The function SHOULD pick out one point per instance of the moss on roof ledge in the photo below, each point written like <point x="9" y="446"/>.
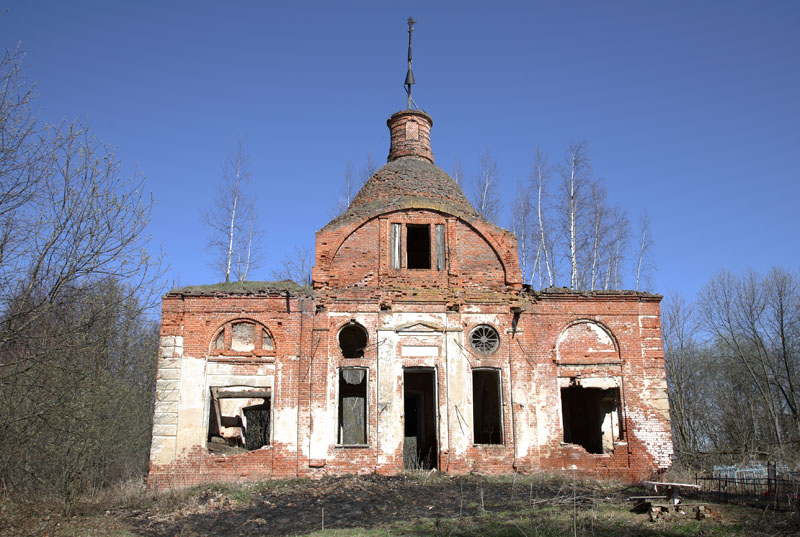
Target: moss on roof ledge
<point x="565" y="291"/>
<point x="243" y="288"/>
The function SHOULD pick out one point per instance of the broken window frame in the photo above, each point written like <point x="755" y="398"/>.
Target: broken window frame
<point x="441" y="246"/>
<point x="416" y="256"/>
<point x="597" y="446"/>
<point x="355" y="352"/>
<point x="498" y="373"/>
<point x="340" y="404"/>
<point x="395" y="241"/>
<point x="225" y="335"/>
<point x="238" y="392"/>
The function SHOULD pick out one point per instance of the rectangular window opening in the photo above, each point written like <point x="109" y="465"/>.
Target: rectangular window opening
<point x="591" y="418"/>
<point x="487" y="414"/>
<point x="352" y="406"/>
<point x="418" y="246"/>
<point x="239" y="419"/>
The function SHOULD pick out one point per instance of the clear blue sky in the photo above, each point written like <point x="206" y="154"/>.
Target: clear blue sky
<point x="690" y="109"/>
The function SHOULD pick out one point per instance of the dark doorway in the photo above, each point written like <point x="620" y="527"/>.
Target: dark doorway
<point x="420" y="448"/>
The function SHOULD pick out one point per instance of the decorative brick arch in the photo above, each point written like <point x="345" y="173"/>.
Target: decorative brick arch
<point x="225" y="330"/>
<point x="586" y="341"/>
<point x="479" y="227"/>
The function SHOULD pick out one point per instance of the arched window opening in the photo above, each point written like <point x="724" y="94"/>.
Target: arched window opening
<point x="353" y="340"/>
<point x="243" y="337"/>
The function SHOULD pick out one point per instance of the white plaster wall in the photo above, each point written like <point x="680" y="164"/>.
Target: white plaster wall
<point x="191" y="418"/>
<point x="390" y="406"/>
<point x="284" y="430"/>
<point x="459" y="395"/>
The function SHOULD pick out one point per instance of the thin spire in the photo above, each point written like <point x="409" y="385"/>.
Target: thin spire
<point x="410" y="73"/>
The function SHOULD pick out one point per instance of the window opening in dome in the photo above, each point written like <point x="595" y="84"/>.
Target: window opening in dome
<point x="418" y="246"/>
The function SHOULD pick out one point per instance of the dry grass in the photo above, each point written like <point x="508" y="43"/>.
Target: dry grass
<point x="416" y="504"/>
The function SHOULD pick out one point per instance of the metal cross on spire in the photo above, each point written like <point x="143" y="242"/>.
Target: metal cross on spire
<point x="410" y="73"/>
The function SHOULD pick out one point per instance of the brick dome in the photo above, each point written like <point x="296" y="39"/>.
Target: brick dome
<point x="409" y="182"/>
<point x="410" y="178"/>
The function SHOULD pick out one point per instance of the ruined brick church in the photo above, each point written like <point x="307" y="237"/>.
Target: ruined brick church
<point x="417" y="347"/>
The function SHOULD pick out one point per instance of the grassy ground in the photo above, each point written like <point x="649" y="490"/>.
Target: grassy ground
<point x="410" y="505"/>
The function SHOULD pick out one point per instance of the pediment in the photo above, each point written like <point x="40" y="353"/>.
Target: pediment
<point x="420" y="327"/>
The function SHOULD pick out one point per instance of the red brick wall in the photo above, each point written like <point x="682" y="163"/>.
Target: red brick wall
<point x="527" y="359"/>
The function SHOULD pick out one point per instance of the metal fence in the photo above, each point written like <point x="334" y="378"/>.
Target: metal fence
<point x="780" y="493"/>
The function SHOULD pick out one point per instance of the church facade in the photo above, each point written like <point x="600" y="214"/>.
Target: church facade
<point x="417" y="347"/>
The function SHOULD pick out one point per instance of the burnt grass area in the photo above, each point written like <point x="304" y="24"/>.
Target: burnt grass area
<point x="413" y="504"/>
<point x="296" y="507"/>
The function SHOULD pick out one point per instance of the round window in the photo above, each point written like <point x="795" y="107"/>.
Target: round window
<point x="484" y="339"/>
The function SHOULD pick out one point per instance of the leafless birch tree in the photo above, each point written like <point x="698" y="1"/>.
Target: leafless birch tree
<point x="484" y="189"/>
<point x="367" y="170"/>
<point x="232" y="222"/>
<point x="521" y="213"/>
<point x="545" y="268"/>
<point x="352" y="183"/>
<point x="349" y="188"/>
<point x="619" y="235"/>
<point x="575" y="179"/>
<point x="458" y="173"/>
<point x="644" y="261"/>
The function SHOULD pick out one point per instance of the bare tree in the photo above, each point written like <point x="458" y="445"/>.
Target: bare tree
<point x="619" y="234"/>
<point x="688" y="374"/>
<point x="367" y="170"/>
<point x="248" y="253"/>
<point x="575" y="178"/>
<point x="296" y="267"/>
<point x="599" y="234"/>
<point x="544" y="239"/>
<point x="232" y="222"/>
<point x="458" y="173"/>
<point x="349" y="188"/>
<point x="76" y="282"/>
<point x="752" y="326"/>
<point x="484" y="189"/>
<point x="644" y="264"/>
<point x="352" y="183"/>
<point x="521" y="213"/>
